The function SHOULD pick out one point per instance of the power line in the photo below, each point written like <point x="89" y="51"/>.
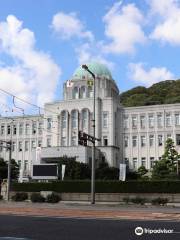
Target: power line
<point x="31" y="104"/>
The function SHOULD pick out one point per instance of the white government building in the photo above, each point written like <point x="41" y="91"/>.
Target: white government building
<point x="134" y="135"/>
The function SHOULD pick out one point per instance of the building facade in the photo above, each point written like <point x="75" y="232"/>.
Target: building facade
<point x="134" y="135"/>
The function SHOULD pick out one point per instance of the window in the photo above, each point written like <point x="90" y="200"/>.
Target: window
<point x="40" y="127"/>
<point x="1" y="146"/>
<point x="105" y="141"/>
<point x="13" y="146"/>
<point x="105" y="119"/>
<point x="83" y="92"/>
<point x="126" y="141"/>
<point x="73" y="141"/>
<point x="142" y="121"/>
<point x="8" y="129"/>
<point x="126" y="161"/>
<point x="134" y="141"/>
<point x="169" y="135"/>
<point x="90" y="91"/>
<point x="168" y="120"/>
<point x="48" y="141"/>
<point x="151" y="121"/>
<point x="33" y="144"/>
<point x="34" y="128"/>
<point x="14" y="129"/>
<point x="143" y="141"/>
<point x="143" y="162"/>
<point x="151" y="140"/>
<point x="25" y="165"/>
<point x="160" y="140"/>
<point x="74" y="118"/>
<point x="49" y="123"/>
<point x="63" y="120"/>
<point x="177" y="139"/>
<point x="2" y="129"/>
<point x="39" y="143"/>
<point x="19" y="163"/>
<point x="159" y="120"/>
<point x="177" y="119"/>
<point x="134" y="122"/>
<point x="63" y="141"/>
<point x="26" y="145"/>
<point x="84" y="119"/>
<point x="126" y="122"/>
<point x="151" y="162"/>
<point x="135" y="163"/>
<point x="20" y="128"/>
<point x="20" y="146"/>
<point x="75" y="93"/>
<point x="27" y="129"/>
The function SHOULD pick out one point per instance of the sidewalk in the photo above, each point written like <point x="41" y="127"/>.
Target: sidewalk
<point x="86" y="210"/>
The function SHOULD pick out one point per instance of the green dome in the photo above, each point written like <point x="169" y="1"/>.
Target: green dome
<point x="99" y="69"/>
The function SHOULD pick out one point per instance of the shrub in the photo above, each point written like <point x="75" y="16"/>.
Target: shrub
<point x="159" y="201"/>
<point x="100" y="186"/>
<point x="1" y="197"/>
<point x="126" y="200"/>
<point x="53" y="198"/>
<point x="37" y="197"/>
<point x="20" y="196"/>
<point x="138" y="200"/>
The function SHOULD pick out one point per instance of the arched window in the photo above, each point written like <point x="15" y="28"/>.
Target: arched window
<point x="83" y="92"/>
<point x="75" y="93"/>
<point x="63" y="119"/>
<point x="90" y="92"/>
<point x="84" y="118"/>
<point x="74" y="118"/>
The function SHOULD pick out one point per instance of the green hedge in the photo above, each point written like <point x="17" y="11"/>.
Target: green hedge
<point x="101" y="187"/>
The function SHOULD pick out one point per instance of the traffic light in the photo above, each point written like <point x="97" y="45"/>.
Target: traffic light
<point x="82" y="138"/>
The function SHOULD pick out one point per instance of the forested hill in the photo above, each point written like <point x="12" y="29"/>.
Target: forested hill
<point x="165" y="92"/>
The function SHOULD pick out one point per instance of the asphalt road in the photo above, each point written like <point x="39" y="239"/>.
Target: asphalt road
<point x="45" y="228"/>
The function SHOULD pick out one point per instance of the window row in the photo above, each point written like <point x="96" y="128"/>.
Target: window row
<point x="152" y="120"/>
<point x="82" y="92"/>
<point x="144" y="141"/>
<point x="25" y="145"/>
<point x="21" y="129"/>
<point x="85" y="116"/>
<point x="136" y="163"/>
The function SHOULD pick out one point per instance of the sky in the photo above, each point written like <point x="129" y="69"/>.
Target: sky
<point x="42" y="42"/>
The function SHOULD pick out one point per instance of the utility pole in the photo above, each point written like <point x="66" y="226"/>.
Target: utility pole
<point x="9" y="169"/>
<point x="85" y="67"/>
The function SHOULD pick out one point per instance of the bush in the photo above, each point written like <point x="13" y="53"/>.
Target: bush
<point x="1" y="197"/>
<point x="159" y="201"/>
<point x="100" y="186"/>
<point x="20" y="196"/>
<point x="138" y="200"/>
<point x="37" y="197"/>
<point x="126" y="200"/>
<point x="53" y="198"/>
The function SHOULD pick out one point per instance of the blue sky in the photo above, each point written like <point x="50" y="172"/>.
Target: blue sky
<point x="42" y="42"/>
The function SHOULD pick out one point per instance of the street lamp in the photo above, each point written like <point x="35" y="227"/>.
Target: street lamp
<point x="85" y="67"/>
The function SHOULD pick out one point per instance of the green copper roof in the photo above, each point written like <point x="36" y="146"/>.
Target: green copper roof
<point x="98" y="69"/>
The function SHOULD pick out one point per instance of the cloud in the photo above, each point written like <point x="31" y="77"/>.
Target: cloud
<point x="34" y="75"/>
<point x="167" y="31"/>
<point x="88" y="52"/>
<point x="139" y="74"/>
<point x="68" y="26"/>
<point x="123" y="26"/>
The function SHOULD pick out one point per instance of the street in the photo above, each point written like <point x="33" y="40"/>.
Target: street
<point x="54" y="228"/>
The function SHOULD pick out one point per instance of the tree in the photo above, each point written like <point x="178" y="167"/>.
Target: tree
<point x="4" y="169"/>
<point x="142" y="171"/>
<point x="166" y="167"/>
